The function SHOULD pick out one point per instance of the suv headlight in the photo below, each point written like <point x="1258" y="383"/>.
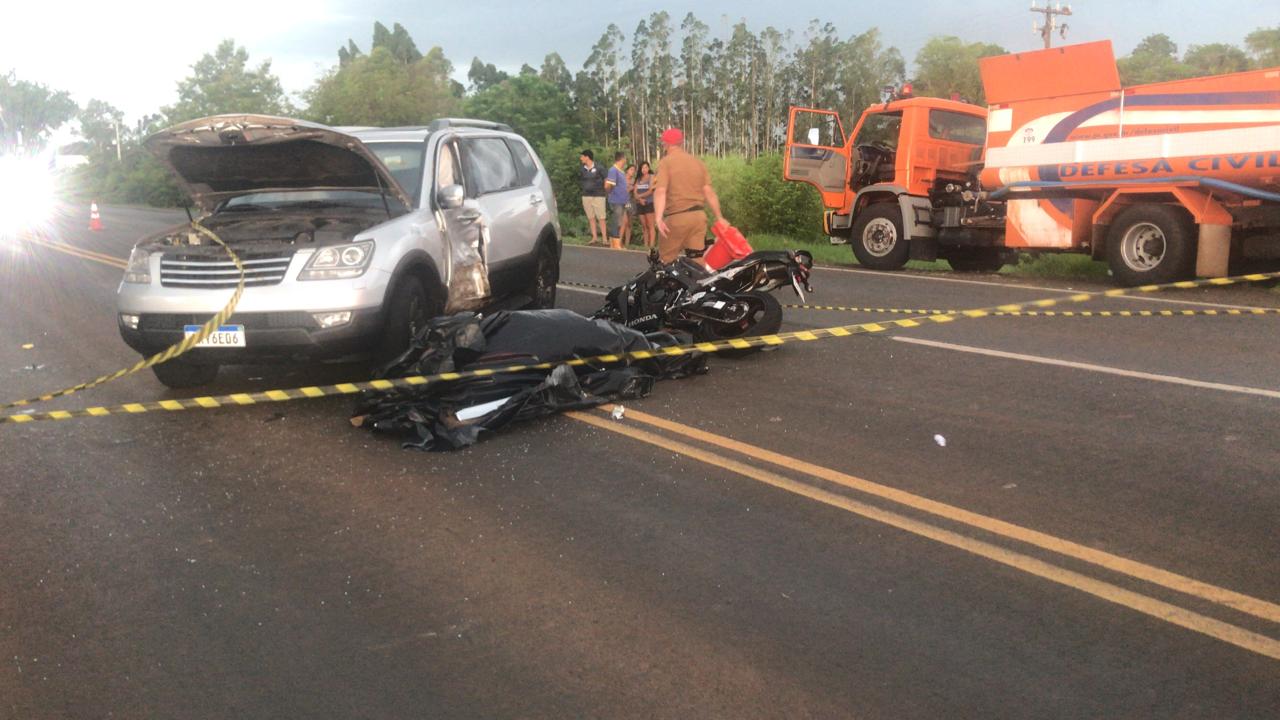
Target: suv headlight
<point x="338" y="262"/>
<point x="139" y="268"/>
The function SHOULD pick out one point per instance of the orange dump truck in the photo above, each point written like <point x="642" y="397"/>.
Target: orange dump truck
<point x="1163" y="180"/>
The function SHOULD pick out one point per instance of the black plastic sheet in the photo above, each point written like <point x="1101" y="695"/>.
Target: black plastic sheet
<point x="455" y="414"/>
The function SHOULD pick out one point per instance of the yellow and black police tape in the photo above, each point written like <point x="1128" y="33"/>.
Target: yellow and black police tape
<point x="760" y="341"/>
<point x="168" y="353"/>
<point x="1016" y="313"/>
<point x="1225" y="312"/>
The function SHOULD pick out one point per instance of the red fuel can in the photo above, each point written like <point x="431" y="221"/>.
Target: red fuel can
<point x="730" y="245"/>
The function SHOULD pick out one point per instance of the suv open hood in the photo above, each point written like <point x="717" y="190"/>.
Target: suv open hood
<point x="220" y="157"/>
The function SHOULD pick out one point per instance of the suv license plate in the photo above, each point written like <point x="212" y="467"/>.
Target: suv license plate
<point x="224" y="336"/>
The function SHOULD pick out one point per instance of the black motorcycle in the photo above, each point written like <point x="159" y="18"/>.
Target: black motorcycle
<point x="710" y="305"/>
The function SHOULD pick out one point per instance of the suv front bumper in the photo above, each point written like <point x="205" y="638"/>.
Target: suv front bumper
<point x="268" y="336"/>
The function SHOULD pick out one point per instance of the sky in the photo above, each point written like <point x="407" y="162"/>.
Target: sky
<point x="132" y="53"/>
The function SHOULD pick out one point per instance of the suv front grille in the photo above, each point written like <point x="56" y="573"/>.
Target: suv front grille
<point x="208" y="272"/>
<point x="251" y="321"/>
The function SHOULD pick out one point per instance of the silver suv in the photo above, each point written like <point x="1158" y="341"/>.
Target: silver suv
<point x="351" y="238"/>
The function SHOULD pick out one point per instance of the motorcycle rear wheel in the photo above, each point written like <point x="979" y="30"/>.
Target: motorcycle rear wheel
<point x="763" y="318"/>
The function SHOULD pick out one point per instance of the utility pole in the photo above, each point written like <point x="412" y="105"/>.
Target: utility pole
<point x="1046" y="30"/>
<point x="119" y="156"/>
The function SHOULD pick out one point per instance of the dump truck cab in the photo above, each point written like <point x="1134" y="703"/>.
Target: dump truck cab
<point x="1164" y="181"/>
<point x="896" y="157"/>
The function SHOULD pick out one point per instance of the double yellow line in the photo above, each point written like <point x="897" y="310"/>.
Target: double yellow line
<point x="81" y="253"/>
<point x="754" y="467"/>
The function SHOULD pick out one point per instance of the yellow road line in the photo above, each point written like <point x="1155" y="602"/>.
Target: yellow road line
<point x="1152" y="607"/>
<point x="78" y="251"/>
<point x="1149" y="573"/>
<point x="81" y="253"/>
<point x="58" y="245"/>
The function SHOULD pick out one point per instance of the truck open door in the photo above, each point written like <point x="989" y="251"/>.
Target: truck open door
<point x="818" y="154"/>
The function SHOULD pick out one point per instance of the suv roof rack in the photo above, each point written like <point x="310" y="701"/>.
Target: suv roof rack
<point x="442" y="123"/>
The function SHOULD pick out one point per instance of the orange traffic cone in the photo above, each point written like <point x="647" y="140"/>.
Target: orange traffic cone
<point x="95" y="220"/>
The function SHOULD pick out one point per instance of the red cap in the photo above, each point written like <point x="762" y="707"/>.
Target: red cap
<point x="672" y="136"/>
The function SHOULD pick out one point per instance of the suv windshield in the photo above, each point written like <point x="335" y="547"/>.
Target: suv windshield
<point x="307" y="198"/>
<point x="404" y="160"/>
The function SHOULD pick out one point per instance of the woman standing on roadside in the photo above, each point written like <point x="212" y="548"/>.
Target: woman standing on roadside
<point x="629" y="216"/>
<point x="643" y="194"/>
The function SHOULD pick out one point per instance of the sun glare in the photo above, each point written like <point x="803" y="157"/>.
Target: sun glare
<point x="26" y="194"/>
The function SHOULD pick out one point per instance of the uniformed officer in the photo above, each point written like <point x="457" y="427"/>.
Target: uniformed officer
<point x="683" y="190"/>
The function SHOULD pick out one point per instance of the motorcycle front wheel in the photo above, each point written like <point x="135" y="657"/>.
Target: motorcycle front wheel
<point x="763" y="317"/>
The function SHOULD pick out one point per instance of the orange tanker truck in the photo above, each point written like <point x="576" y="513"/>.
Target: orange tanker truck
<point x="1163" y="181"/>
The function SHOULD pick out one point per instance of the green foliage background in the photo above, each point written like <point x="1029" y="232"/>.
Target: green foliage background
<point x="730" y="93"/>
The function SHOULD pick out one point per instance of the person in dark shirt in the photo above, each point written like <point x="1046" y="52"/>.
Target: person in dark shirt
<point x="593" y="194"/>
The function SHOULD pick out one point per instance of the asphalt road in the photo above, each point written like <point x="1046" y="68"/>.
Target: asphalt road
<point x="787" y="536"/>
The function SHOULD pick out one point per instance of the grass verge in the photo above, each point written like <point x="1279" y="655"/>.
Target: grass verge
<point x="1060" y="266"/>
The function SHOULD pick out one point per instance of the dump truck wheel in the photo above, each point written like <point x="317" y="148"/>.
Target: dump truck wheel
<point x="877" y="238"/>
<point x="1151" y="244"/>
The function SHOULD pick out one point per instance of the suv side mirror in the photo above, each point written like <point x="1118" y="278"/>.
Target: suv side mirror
<point x="451" y="197"/>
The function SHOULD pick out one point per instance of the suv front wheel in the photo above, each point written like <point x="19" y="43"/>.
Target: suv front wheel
<point x="546" y="273"/>
<point x="409" y="308"/>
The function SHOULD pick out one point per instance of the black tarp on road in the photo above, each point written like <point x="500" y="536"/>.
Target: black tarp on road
<point x="447" y="415"/>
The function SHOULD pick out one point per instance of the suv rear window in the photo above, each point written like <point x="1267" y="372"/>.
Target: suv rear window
<point x="525" y="166"/>
<point x="957" y="127"/>
<point x="488" y="166"/>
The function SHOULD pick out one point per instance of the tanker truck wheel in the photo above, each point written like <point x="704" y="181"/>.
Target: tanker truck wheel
<point x="877" y="238"/>
<point x="1151" y="244"/>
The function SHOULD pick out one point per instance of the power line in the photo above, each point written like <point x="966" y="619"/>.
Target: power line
<point x="1050" y="22"/>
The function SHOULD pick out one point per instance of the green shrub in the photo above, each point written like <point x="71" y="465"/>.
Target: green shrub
<point x="1057" y="265"/>
<point x="574" y="224"/>
<point x="139" y="179"/>
<point x="756" y="199"/>
<point x="560" y="158"/>
<point x="767" y="203"/>
<point x="726" y="175"/>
